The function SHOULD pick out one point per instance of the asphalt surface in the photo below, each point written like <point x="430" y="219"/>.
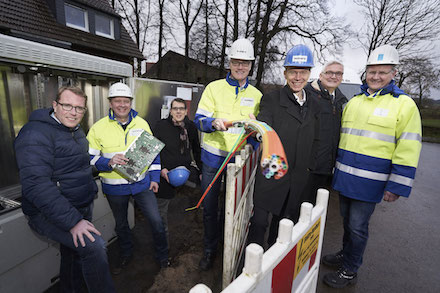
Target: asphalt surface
<point x="403" y="252"/>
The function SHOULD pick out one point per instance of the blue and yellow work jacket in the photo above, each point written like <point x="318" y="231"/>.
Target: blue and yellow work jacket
<point x="379" y="146"/>
<point x="106" y="139"/>
<point x="225" y="99"/>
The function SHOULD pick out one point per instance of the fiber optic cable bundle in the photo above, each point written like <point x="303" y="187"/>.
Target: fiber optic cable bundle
<point x="273" y="158"/>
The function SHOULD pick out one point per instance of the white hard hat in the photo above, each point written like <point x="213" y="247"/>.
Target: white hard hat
<point x="242" y="49"/>
<point x="119" y="90"/>
<point x="384" y="55"/>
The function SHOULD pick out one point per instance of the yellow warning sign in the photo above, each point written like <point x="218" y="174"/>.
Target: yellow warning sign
<point x="307" y="246"/>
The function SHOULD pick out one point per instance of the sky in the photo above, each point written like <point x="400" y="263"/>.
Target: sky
<point x="354" y="57"/>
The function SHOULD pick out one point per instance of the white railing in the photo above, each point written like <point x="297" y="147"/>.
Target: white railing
<point x="238" y="209"/>
<point x="292" y="263"/>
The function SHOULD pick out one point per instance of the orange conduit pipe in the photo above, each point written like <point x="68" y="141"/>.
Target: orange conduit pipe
<point x="273" y="158"/>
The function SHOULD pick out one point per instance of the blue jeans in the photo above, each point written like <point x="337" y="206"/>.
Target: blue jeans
<point x="89" y="262"/>
<point x="356" y="216"/>
<point x="210" y="209"/>
<point x="146" y="201"/>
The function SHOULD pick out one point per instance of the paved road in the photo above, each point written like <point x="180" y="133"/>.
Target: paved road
<point x="403" y="252"/>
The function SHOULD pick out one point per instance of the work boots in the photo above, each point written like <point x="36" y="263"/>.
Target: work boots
<point x="333" y="260"/>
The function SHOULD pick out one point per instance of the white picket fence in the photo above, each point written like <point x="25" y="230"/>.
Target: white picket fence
<point x="292" y="263"/>
<point x="238" y="209"/>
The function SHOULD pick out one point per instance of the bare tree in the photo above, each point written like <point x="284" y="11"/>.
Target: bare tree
<point x="189" y="10"/>
<point x="285" y="23"/>
<point x="409" y="25"/>
<point x="136" y="15"/>
<point x="417" y="77"/>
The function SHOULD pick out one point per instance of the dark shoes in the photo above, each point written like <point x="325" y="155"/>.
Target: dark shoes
<point x="340" y="279"/>
<point x="207" y="261"/>
<point x="164" y="264"/>
<point x="123" y="262"/>
<point x="333" y="260"/>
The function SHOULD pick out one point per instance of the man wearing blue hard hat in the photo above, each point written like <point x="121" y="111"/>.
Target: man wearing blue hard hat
<point x="292" y="112"/>
<point x="181" y="144"/>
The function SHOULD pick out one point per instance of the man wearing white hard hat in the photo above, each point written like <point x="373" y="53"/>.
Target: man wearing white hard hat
<point x="232" y="98"/>
<point x="377" y="158"/>
<point x="108" y="139"/>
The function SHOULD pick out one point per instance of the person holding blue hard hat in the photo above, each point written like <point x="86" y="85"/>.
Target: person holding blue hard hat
<point x="182" y="147"/>
<point x="293" y="112"/>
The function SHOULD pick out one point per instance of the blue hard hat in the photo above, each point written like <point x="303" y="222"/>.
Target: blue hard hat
<point x="299" y="56"/>
<point x="178" y="176"/>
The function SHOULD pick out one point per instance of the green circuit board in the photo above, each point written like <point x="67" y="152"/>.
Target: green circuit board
<point x="141" y="154"/>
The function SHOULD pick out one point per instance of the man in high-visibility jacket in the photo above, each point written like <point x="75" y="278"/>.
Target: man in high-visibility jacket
<point x="377" y="158"/>
<point x="223" y="100"/>
<point x="108" y="139"/>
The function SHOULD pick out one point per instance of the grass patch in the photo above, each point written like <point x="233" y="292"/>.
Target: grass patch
<point x="431" y="123"/>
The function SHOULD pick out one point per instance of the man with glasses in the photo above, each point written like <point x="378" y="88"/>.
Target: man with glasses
<point x="330" y="100"/>
<point x="377" y="158"/>
<point x="181" y="139"/>
<point x="109" y="138"/>
<point x="223" y="100"/>
<point x="293" y="113"/>
<point x="58" y="190"/>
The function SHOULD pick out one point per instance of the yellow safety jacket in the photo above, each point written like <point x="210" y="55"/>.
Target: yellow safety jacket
<point x="106" y="139"/>
<point x="223" y="99"/>
<point x="379" y="146"/>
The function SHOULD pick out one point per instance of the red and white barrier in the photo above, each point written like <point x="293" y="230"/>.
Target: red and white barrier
<point x="292" y="263"/>
<point x="238" y="209"/>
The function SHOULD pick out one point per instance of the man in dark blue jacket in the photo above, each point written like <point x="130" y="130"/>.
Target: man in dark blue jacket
<point x="58" y="190"/>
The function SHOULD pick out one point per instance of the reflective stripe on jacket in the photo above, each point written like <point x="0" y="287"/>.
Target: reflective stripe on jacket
<point x="106" y="139"/>
<point x="379" y="147"/>
<point x="223" y="99"/>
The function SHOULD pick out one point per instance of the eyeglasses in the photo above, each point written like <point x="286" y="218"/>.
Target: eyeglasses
<point x="178" y="109"/>
<point x="333" y="73"/>
<point x="237" y="63"/>
<point x="68" y="107"/>
<point x="380" y="73"/>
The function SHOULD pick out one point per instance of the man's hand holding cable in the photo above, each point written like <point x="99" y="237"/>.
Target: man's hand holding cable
<point x="219" y="124"/>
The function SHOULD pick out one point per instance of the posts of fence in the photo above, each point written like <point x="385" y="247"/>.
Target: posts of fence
<point x="292" y="263"/>
<point x="240" y="180"/>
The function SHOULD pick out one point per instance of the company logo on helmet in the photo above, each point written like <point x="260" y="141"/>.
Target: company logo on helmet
<point x="380" y="57"/>
<point x="299" y="59"/>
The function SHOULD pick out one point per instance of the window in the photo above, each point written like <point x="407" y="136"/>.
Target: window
<point x="76" y="17"/>
<point x="104" y="26"/>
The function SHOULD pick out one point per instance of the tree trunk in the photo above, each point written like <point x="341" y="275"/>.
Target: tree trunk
<point x="235" y="19"/>
<point x="225" y="37"/>
<point x="159" y="51"/>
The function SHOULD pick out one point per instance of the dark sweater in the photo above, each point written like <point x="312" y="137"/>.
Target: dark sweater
<point x="171" y="156"/>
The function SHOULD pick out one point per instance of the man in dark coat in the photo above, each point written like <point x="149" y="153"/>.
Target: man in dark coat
<point x="58" y="190"/>
<point x="181" y="144"/>
<point x="330" y="100"/>
<point x="293" y="113"/>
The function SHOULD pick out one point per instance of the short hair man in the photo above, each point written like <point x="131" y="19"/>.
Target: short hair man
<point x="58" y="190"/>
<point x="109" y="138"/>
<point x="292" y="112"/>
<point x="232" y="98"/>
<point x="330" y="100"/>
<point x="377" y="158"/>
<point x="181" y="139"/>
